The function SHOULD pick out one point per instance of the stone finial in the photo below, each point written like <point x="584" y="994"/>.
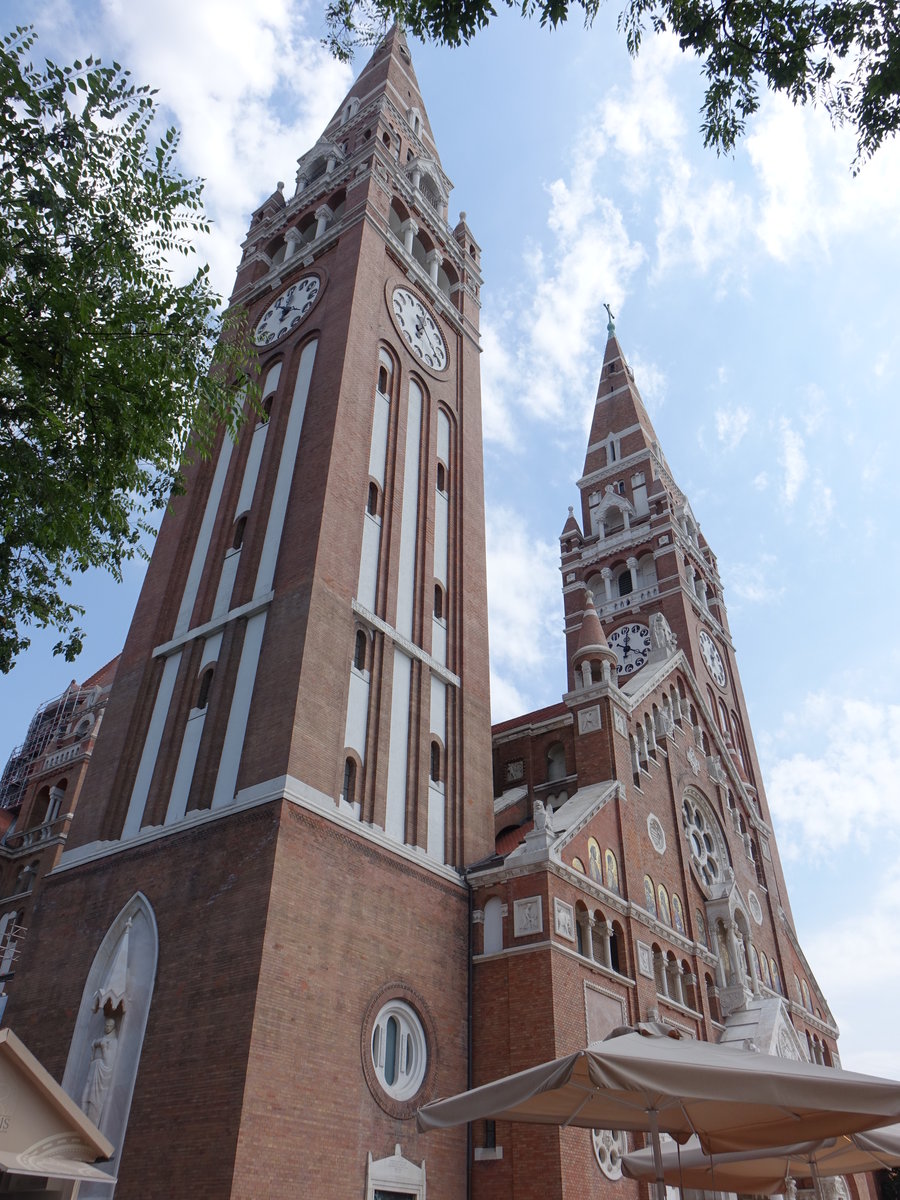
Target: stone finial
<point x="279" y="186"/>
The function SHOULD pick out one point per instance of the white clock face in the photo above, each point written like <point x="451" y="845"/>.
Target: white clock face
<point x="288" y="310"/>
<point x="712" y="658"/>
<point x="420" y="329"/>
<point x="632" y="646"/>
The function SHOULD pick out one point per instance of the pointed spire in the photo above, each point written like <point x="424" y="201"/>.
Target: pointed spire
<point x="618" y="406"/>
<point x="592" y="641"/>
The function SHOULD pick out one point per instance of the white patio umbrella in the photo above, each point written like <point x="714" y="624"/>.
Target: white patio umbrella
<point x="732" y="1099"/>
<point x="764" y="1172"/>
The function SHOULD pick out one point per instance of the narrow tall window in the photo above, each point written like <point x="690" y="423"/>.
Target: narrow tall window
<point x="238" y="539"/>
<point x="438" y="601"/>
<point x="359" y="651"/>
<point x="348" y="792"/>
<point x="441" y="477"/>
<point x="435" y="762"/>
<point x="205" y="684"/>
<point x="372" y="500"/>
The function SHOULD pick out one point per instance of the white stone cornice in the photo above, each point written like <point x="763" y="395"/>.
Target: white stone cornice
<point x="405" y="644"/>
<point x="257" y="604"/>
<point x="285" y="787"/>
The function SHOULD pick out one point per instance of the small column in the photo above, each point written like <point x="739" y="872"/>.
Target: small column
<point x="323" y="216"/>
<point x="677" y="989"/>
<point x="690" y="985"/>
<point x="56" y="799"/>
<point x="433" y="260"/>
<point x="301" y="182"/>
<point x="331" y="164"/>
<point x="661" y="974"/>
<point x="586" y="924"/>
<point x="607" y="582"/>
<point x="408" y="230"/>
<point x="701" y="591"/>
<point x="604" y="930"/>
<point x="631" y="563"/>
<point x="292" y="240"/>
<point x="416" y="176"/>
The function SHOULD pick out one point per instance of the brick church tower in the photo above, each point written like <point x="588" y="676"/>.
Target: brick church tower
<point x="260" y="904"/>
<point x="636" y="875"/>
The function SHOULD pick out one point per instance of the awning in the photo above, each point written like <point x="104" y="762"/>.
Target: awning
<point x="43" y="1132"/>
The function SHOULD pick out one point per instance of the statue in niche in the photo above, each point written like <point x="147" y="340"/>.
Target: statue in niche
<point x="100" y="1071"/>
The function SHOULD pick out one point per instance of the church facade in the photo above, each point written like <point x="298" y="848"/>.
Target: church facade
<point x="304" y="890"/>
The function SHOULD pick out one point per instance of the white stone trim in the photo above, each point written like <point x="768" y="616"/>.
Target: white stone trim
<point x="283" y="787"/>
<point x="405" y="644"/>
<point x="244" y="610"/>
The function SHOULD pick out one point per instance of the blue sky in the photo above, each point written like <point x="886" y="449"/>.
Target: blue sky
<point x="756" y="299"/>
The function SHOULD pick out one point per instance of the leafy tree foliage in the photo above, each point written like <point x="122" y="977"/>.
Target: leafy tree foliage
<point x="106" y="364"/>
<point x="842" y="54"/>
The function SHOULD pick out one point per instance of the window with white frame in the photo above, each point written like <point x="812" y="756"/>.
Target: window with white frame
<point x="399" y="1051"/>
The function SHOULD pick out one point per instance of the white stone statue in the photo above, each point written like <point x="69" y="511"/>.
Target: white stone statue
<point x="543" y="817"/>
<point x="661" y="634"/>
<point x="100" y="1071"/>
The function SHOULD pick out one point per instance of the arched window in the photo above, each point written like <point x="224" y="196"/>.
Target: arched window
<point x="385" y="375"/>
<point x="205" y="684"/>
<point x="612" y="870"/>
<point x="372" y="499"/>
<point x="776" y="977"/>
<point x="649" y="896"/>
<point x="237" y="539"/>
<point x="616" y="949"/>
<point x="441" y="477"/>
<point x="438" y="601"/>
<point x="267" y="403"/>
<point x="556" y="762"/>
<point x="613" y="522"/>
<point x="348" y="790"/>
<point x="359" y="650"/>
<point x="435" y="767"/>
<point x="665" y="914"/>
<point x="764" y="972"/>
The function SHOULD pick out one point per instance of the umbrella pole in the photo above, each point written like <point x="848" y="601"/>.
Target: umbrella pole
<point x="817" y="1183"/>
<point x="653" y="1114"/>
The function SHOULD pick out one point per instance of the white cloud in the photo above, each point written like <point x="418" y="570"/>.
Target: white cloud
<point x="761" y="481"/>
<point x="249" y="85"/>
<point x="497" y="389"/>
<point x="652" y="382"/>
<point x="808" y="194"/>
<point x="731" y="425"/>
<point x="816" y="409"/>
<point x="845" y="789"/>
<point x="821" y="505"/>
<point x="792" y="460"/>
<point x="863" y="999"/>
<point x="524" y="612"/>
<point x="542" y="355"/>
<point x="752" y="582"/>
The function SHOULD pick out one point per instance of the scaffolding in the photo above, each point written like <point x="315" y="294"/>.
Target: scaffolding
<point x="47" y="724"/>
